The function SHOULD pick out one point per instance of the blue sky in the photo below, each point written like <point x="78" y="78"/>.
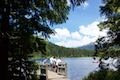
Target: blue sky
<point x="81" y="27"/>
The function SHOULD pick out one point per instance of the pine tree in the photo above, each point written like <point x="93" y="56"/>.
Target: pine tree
<point x="20" y="20"/>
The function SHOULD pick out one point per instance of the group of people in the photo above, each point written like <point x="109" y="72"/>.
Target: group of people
<point x="54" y="62"/>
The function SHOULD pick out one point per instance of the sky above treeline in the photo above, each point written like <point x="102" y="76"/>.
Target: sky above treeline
<point x="81" y="27"/>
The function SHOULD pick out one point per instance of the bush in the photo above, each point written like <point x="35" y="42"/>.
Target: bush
<point x="103" y="75"/>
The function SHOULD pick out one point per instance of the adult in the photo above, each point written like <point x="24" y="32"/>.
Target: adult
<point x="58" y="61"/>
<point x="52" y="63"/>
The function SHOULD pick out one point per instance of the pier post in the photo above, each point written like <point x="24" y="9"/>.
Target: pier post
<point x="44" y="72"/>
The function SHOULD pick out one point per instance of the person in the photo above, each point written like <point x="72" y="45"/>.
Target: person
<point x="58" y="61"/>
<point x="45" y="61"/>
<point x="52" y="62"/>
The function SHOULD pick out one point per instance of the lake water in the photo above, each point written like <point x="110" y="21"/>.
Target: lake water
<point x="78" y="68"/>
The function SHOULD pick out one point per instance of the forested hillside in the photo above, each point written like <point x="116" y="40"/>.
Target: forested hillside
<point x="60" y="51"/>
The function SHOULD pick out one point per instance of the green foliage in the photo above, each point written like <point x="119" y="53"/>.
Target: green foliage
<point x="20" y="48"/>
<point x="108" y="46"/>
<point x="59" y="51"/>
<point x="110" y="43"/>
<point x="103" y="75"/>
<point x="19" y="21"/>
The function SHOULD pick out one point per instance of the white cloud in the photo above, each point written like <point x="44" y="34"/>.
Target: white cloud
<point x="61" y="34"/>
<point x="85" y="4"/>
<point x="64" y="32"/>
<point x="76" y="35"/>
<point x="92" y="30"/>
<point x="68" y="2"/>
<point x="83" y="36"/>
<point x="76" y="43"/>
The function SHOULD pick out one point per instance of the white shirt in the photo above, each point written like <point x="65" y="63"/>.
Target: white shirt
<point x="52" y="60"/>
<point x="58" y="61"/>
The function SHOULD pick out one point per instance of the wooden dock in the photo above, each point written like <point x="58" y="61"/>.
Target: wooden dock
<point x="45" y="72"/>
<point x="54" y="76"/>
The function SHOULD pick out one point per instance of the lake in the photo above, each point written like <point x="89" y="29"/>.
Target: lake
<point x="78" y="68"/>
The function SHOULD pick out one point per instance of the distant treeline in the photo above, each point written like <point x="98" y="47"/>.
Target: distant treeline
<point x="60" y="51"/>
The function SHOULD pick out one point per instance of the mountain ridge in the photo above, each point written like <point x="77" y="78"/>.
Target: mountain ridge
<point x="89" y="46"/>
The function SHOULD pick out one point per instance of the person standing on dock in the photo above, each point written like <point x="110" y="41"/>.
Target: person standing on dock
<point x="57" y="63"/>
<point x="52" y="62"/>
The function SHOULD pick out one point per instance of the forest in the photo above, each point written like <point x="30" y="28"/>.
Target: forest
<point x="60" y="51"/>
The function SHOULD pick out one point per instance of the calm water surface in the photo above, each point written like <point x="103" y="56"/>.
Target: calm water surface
<point x="78" y="68"/>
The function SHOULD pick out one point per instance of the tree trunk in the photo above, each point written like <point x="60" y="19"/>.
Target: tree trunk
<point x="4" y="40"/>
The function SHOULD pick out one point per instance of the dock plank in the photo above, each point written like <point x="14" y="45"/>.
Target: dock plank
<point x="54" y="76"/>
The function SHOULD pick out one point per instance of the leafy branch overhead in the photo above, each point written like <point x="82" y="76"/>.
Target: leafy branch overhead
<point x="20" y="20"/>
<point x="111" y="42"/>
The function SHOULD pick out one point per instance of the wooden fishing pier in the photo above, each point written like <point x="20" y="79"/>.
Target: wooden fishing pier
<point x="46" y="72"/>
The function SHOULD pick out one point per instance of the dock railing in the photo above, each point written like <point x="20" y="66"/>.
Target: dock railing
<point x="61" y="69"/>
